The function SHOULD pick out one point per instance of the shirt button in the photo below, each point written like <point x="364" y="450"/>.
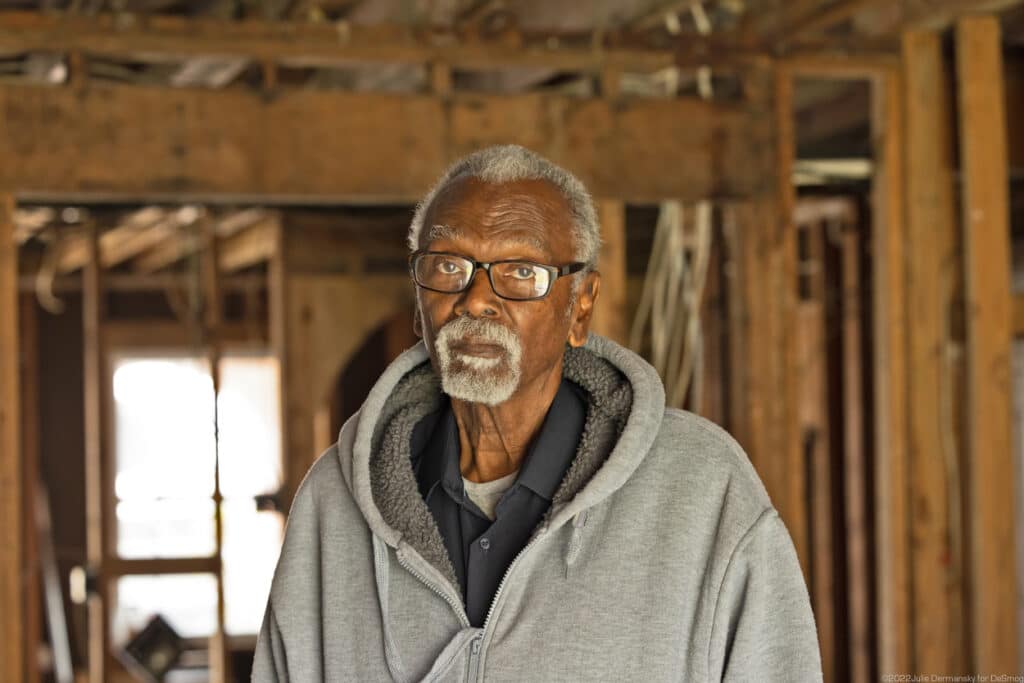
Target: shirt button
<point x="485" y="543"/>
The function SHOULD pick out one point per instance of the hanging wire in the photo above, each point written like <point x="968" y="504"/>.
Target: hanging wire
<point x="668" y="317"/>
<point x="47" y="273"/>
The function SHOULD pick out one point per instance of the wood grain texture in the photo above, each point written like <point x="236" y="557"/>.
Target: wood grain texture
<point x="931" y="227"/>
<point x="12" y="662"/>
<point x="611" y="318"/>
<point x="329" y="145"/>
<point x="986" y="234"/>
<point x="888" y="252"/>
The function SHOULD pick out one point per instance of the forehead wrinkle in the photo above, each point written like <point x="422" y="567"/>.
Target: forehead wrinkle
<point x="443" y="232"/>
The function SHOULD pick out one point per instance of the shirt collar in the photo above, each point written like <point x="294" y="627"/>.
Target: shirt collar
<point x="436" y="440"/>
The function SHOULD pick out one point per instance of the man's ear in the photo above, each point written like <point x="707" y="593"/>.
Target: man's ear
<point x="589" y="289"/>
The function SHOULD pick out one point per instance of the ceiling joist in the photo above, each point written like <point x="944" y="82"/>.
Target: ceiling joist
<point x="173" y="38"/>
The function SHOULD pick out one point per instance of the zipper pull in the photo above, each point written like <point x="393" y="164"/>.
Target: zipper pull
<point x="476" y="644"/>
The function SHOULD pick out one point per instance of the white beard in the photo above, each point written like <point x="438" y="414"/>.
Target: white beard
<point x="489" y="381"/>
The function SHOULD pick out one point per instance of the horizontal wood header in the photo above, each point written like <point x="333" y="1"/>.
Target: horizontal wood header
<point x="330" y="146"/>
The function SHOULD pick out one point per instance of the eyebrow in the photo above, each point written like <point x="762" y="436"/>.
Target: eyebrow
<point x="443" y="232"/>
<point x="447" y="232"/>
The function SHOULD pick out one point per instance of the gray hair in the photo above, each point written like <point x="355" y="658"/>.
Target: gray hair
<point x="509" y="163"/>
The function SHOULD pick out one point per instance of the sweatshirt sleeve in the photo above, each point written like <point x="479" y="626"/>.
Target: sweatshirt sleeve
<point x="763" y="628"/>
<point x="269" y="663"/>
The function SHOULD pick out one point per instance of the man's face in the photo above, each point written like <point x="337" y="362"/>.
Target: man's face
<point x="484" y="347"/>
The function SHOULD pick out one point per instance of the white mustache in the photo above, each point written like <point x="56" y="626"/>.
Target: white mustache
<point x="466" y="329"/>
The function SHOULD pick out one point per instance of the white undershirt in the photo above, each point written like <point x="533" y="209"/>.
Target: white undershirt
<point x="487" y="494"/>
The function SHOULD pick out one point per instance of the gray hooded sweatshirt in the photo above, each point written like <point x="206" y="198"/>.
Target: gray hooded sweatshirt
<point x="660" y="559"/>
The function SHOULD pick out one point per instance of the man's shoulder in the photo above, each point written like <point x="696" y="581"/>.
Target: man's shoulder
<point x="706" y="458"/>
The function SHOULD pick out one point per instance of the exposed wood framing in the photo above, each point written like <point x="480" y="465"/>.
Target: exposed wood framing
<point x="177" y="244"/>
<point x="931" y="280"/>
<point x="610" y="316"/>
<point x="12" y="663"/>
<point x="855" y="489"/>
<point x="986" y="234"/>
<point x="220" y="665"/>
<point x="789" y="480"/>
<point x="175" y="38"/>
<point x="187" y="143"/>
<point x="889" y="378"/>
<point x="764" y="238"/>
<point x="251" y="246"/>
<point x="135" y="234"/>
<point x="96" y="474"/>
<point x="30" y="476"/>
<point x="328" y="318"/>
<point x="811" y="394"/>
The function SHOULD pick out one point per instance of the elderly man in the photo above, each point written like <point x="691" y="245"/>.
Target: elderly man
<point x="514" y="502"/>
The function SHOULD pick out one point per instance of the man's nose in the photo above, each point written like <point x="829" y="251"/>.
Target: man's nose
<point x="479" y="299"/>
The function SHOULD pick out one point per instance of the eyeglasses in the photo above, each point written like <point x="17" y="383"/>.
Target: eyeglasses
<point x="515" y="280"/>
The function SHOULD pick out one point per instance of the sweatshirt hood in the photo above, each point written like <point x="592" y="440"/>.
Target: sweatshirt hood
<point x="625" y="406"/>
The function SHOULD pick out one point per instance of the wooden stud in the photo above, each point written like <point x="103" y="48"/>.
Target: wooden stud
<point x="812" y="405"/>
<point x="986" y="236"/>
<point x="858" y="569"/>
<point x="441" y="79"/>
<point x="12" y="663"/>
<point x="96" y="475"/>
<point x="788" y="472"/>
<point x="892" y="506"/>
<point x="29" y="343"/>
<point x="930" y="225"/>
<point x="220" y="663"/>
<point x="610" y="316"/>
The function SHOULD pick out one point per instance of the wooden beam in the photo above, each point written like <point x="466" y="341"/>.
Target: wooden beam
<point x="790" y="481"/>
<point x="811" y="395"/>
<point x="30" y="477"/>
<point x="825" y="18"/>
<point x="930" y="284"/>
<point x="177" y="38"/>
<point x="117" y="566"/>
<point x="855" y="465"/>
<point x="990" y="463"/>
<point x="250" y="246"/>
<point x="889" y="378"/>
<point x="611" y="317"/>
<point x="185" y="143"/>
<point x="135" y="234"/>
<point x="178" y="244"/>
<point x="12" y="652"/>
<point x="96" y="474"/>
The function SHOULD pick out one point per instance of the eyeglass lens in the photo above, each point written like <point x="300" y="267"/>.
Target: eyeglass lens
<point x="511" y="279"/>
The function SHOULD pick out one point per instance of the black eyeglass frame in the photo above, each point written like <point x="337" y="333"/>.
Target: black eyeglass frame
<point x="555" y="271"/>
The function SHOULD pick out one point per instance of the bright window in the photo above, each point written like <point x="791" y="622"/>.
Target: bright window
<point x="164" y="454"/>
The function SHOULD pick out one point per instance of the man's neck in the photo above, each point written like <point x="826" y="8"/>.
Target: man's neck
<point x="493" y="440"/>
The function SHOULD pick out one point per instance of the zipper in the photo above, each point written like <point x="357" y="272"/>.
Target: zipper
<point x="477" y="642"/>
<point x="504" y="579"/>
<point x="457" y="607"/>
<point x="474" y="658"/>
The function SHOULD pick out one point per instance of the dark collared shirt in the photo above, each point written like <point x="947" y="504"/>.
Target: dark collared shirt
<point x="482" y="550"/>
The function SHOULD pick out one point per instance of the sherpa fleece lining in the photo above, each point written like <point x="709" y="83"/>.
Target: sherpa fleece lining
<point x="609" y="400"/>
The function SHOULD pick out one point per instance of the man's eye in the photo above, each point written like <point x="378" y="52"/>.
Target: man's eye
<point x="448" y="267"/>
<point x="523" y="273"/>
